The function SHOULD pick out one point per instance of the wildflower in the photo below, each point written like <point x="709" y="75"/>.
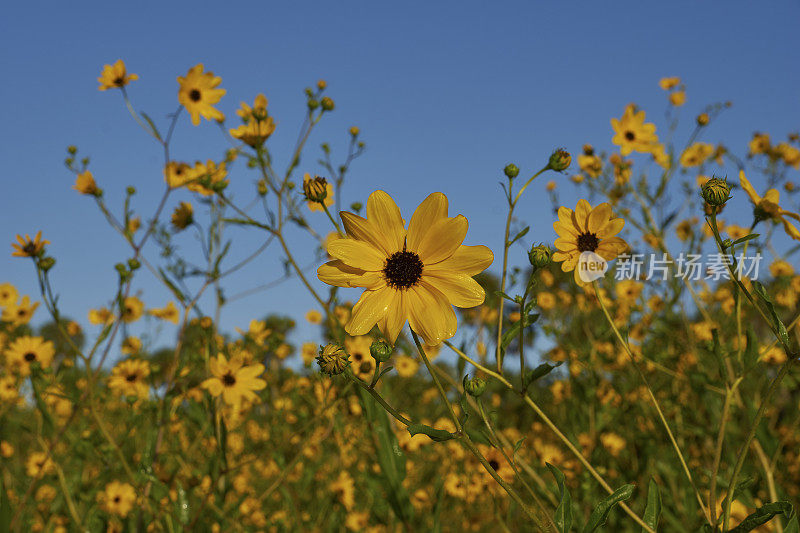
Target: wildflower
<point x="257" y="112"/>
<point x="702" y="119"/>
<point x="133" y="225"/>
<point x="207" y="178"/>
<point x="115" y="76"/>
<point x="128" y="378"/>
<point x="669" y="83"/>
<point x="20" y="312"/>
<point x="28" y="247"/>
<point x="8" y="294"/>
<point x="540" y="256"/>
<point x="39" y="464"/>
<point x="632" y="133"/>
<point x="100" y="316"/>
<point x="406" y="366"/>
<point x="118" y="498"/>
<point x="332" y="359"/>
<point x="177" y="174"/>
<point x="474" y="386"/>
<point x="168" y="313"/>
<point x="589" y="162"/>
<point x="358" y="349"/>
<point x="380" y="351"/>
<point x="789" y="153"/>
<point x="85" y="184"/>
<point x="716" y="192"/>
<point x="131" y="345"/>
<point x="9" y="391"/>
<point x="183" y="216"/>
<point x="327" y="103"/>
<point x="317" y="190"/>
<point x="254" y="132"/>
<point x="6" y="449"/>
<point x="613" y="443"/>
<point x="313" y="316"/>
<point x="586" y="230"/>
<point x="344" y="489"/>
<point x="132" y="309"/>
<point x="759" y="144"/>
<point x="308" y="351"/>
<point x="416" y="274"/>
<point x="678" y="98"/>
<point x="198" y="94"/>
<point x="24" y="351"/>
<point x="781" y="268"/>
<point x="354" y="131"/>
<point x="559" y="160"/>
<point x="696" y="154"/>
<point x="233" y="380"/>
<point x="769" y="208"/>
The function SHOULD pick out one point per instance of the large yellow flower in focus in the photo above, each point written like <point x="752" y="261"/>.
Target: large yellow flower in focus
<point x="768" y="207"/>
<point x="198" y="94"/>
<point x="586" y="230"/>
<point x="415" y="274"/>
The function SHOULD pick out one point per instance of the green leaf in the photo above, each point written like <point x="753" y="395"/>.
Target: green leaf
<point x="540" y="372"/>
<point x="519" y="235"/>
<point x="744" y="239"/>
<point x="478" y="436"/>
<point x="653" y="509"/>
<point x="600" y="513"/>
<point x="750" y="356"/>
<point x="764" y="514"/>
<point x="152" y="125"/>
<point x="506" y="296"/>
<point x="777" y="324"/>
<point x="438" y="435"/>
<point x="563" y="514"/>
<point x="793" y="526"/>
<point x="437" y="508"/>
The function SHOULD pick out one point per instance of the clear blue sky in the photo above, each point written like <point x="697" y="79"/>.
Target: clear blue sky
<point x="445" y="93"/>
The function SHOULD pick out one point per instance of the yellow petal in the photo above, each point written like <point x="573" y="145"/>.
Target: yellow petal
<point x="791" y="230"/>
<point x="213" y="385"/>
<point x="461" y="290"/>
<point x="469" y="260"/>
<point x="429" y="212"/>
<point x="250" y="372"/>
<point x="582" y="211"/>
<point x="442" y="239"/>
<point x="598" y="217"/>
<point x="370" y="308"/>
<point x="395" y="317"/>
<point x="566" y="244"/>
<point x="773" y="196"/>
<point x="611" y="248"/>
<point x="357" y="254"/>
<point x="565" y="216"/>
<point x="565" y="229"/>
<point x="751" y="192"/>
<point x="383" y="213"/>
<point x="613" y="227"/>
<point x="362" y="230"/>
<point x="337" y="273"/>
<point x="430" y="314"/>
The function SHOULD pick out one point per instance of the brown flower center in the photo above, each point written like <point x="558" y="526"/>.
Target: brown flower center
<point x="629" y="135"/>
<point x="130" y="378"/>
<point x="229" y="380"/>
<point x="119" y="82"/>
<point x="587" y="242"/>
<point x="30" y="356"/>
<point x="494" y="464"/>
<point x="403" y="270"/>
<point x="194" y="95"/>
<point x="117" y="499"/>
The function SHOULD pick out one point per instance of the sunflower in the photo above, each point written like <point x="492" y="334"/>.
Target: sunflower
<point x="696" y="154"/>
<point x="767" y="207"/>
<point x="8" y="295"/>
<point x="361" y="361"/>
<point x="632" y="133"/>
<point x="254" y="132"/>
<point x="19" y="313"/>
<point x="182" y="216"/>
<point x="416" y="274"/>
<point x="168" y="313"/>
<point x="118" y="498"/>
<point x="115" y="76"/>
<point x="28" y="247"/>
<point x="234" y="381"/>
<point x="198" y="94"/>
<point x="25" y="351"/>
<point x="406" y="366"/>
<point x="177" y="173"/>
<point x="85" y="184"/>
<point x="204" y="178"/>
<point x="132" y="309"/>
<point x="128" y="378"/>
<point x="586" y="230"/>
<point x="314" y="205"/>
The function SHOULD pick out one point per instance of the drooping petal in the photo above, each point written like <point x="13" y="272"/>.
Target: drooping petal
<point x="430" y="314"/>
<point x="358" y="254"/>
<point x="748" y="188"/>
<point x="442" y="239"/>
<point x="773" y="196"/>
<point x="431" y="210"/>
<point x="790" y="229"/>
<point x="469" y="260"/>
<point x="461" y="290"/>
<point x="370" y="308"/>
<point x="383" y="213"/>
<point x="395" y="318"/>
<point x="363" y="230"/>
<point x="598" y="217"/>
<point x="337" y="273"/>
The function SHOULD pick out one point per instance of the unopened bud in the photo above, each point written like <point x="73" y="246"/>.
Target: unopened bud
<point x="559" y="160"/>
<point x="716" y="192"/>
<point x="540" y="256"/>
<point x="332" y="359"/>
<point x="474" y="386"/>
<point x="381" y="351"/>
<point x="316" y="189"/>
<point x="511" y="170"/>
<point x="327" y="104"/>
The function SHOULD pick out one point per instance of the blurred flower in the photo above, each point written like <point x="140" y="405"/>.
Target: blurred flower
<point x="19" y="313"/>
<point x="182" y="216"/>
<point x="28" y="247"/>
<point x="678" y="98"/>
<point x="8" y="294"/>
<point x="100" y="316"/>
<point x="406" y="366"/>
<point x="131" y="345"/>
<point x="198" y="94"/>
<point x="24" y="351"/>
<point x="759" y="144"/>
<point x="255" y="132"/>
<point x="233" y="381"/>
<point x="128" y="378"/>
<point x="177" y="174"/>
<point x="632" y="133"/>
<point x="115" y="76"/>
<point x="85" y="184"/>
<point x="669" y="83"/>
<point x="118" y="498"/>
<point x="132" y="309"/>
<point x="416" y="274"/>
<point x="313" y="316"/>
<point x="168" y="313"/>
<point x="696" y="154"/>
<point x="768" y="207"/>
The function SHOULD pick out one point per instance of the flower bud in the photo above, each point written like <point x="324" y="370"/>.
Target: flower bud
<point x="262" y="187"/>
<point x="356" y="206"/>
<point x="559" y="160"/>
<point x="474" y="386"/>
<point x="381" y="351"/>
<point x="511" y="170"/>
<point x="354" y="131"/>
<point x="47" y="263"/>
<point x="702" y="119"/>
<point x="332" y="359"/>
<point x="134" y="264"/>
<point x="316" y="189"/>
<point x="716" y="192"/>
<point x="321" y="84"/>
<point x="130" y="190"/>
<point x="313" y="104"/>
<point x="327" y="104"/>
<point x="540" y="256"/>
<point x="72" y="149"/>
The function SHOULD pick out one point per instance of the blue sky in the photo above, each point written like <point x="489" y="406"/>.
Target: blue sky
<point x="445" y="95"/>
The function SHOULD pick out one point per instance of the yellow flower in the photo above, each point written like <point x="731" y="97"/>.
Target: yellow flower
<point x="132" y="309"/>
<point x="19" y="313"/>
<point x="9" y="391"/>
<point x="632" y="133"/>
<point x="198" y="94"/>
<point x="133" y="225"/>
<point x="308" y="352"/>
<point x="85" y="184"/>
<point x="789" y="153"/>
<point x="233" y="381"/>
<point x="39" y="464"/>
<point x="781" y="268"/>
<point x="669" y="83"/>
<point x="128" y="378"/>
<point x="177" y="174"/>
<point x="115" y="76"/>
<point x="696" y="154"/>
<point x="258" y="111"/>
<point x="8" y="295"/>
<point x="131" y="346"/>
<point x="118" y="498"/>
<point x="768" y="207"/>
<point x="182" y="216"/>
<point x="255" y="132"/>
<point x="416" y="274"/>
<point x="613" y="443"/>
<point x="6" y="449"/>
<point x="361" y="361"/>
<point x="203" y="177"/>
<point x="344" y="489"/>
<point x="314" y="186"/>
<point x="169" y="313"/>
<point x="759" y="144"/>
<point x="406" y="366"/>
<point x="313" y="316"/>
<point x="100" y="316"/>
<point x="678" y="98"/>
<point x="28" y="247"/>
<point x="589" y="162"/>
<point x="26" y="350"/>
<point x="586" y="230"/>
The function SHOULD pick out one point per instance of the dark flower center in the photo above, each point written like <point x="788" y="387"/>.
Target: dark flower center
<point x="587" y="242"/>
<point x="119" y="81"/>
<point x="30" y="356"/>
<point x="116" y="499"/>
<point x="194" y="95"/>
<point x="494" y="464"/>
<point x="130" y="378"/>
<point x="229" y="380"/>
<point x="629" y="135"/>
<point x="403" y="270"/>
<point x="21" y="312"/>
